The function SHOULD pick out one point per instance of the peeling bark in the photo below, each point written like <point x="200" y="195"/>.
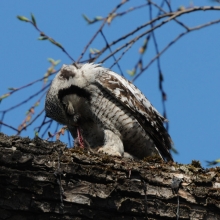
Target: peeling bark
<point x="98" y="186"/>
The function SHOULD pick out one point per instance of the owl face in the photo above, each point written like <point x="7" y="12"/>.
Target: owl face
<point x="53" y="104"/>
<point x="65" y="90"/>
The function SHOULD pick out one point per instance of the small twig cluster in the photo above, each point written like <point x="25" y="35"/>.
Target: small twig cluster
<point x="31" y="111"/>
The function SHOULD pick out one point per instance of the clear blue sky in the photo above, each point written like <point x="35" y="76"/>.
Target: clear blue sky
<point x="190" y="67"/>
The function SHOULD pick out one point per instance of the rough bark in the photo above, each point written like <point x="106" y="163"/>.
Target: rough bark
<point x="98" y="186"/>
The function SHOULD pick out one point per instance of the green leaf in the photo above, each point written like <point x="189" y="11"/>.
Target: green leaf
<point x="33" y="19"/>
<point x="131" y="72"/>
<point x="210" y="163"/>
<point x="36" y="133"/>
<point x="144" y="47"/>
<point x="22" y="18"/>
<point x="91" y="51"/>
<point x="56" y="62"/>
<point x="51" y="60"/>
<point x="4" y="96"/>
<point x="59" y="45"/>
<point x="46" y="74"/>
<point x="51" y="40"/>
<point x="97" y="51"/>
<point x="37" y="103"/>
<point x="87" y="19"/>
<point x="98" y="18"/>
<point x="42" y="38"/>
<point x="10" y="88"/>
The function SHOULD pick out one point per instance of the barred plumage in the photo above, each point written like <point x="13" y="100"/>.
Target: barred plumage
<point x="111" y="111"/>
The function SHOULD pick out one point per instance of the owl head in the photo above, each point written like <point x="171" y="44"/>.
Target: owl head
<point x="70" y="81"/>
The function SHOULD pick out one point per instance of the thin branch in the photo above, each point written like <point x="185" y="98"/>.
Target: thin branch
<point x="171" y="16"/>
<point x="204" y="25"/>
<point x="121" y="55"/>
<point x="111" y="52"/>
<point x="25" y="120"/>
<point x="31" y="122"/>
<point x="131" y="9"/>
<point x="47" y="128"/>
<point x="29" y="84"/>
<point x="3" y="115"/>
<point x="116" y="14"/>
<point x="163" y="94"/>
<point x="172" y="42"/>
<point x="21" y="103"/>
<point x="161" y="9"/>
<point x="56" y="131"/>
<point x="117" y="7"/>
<point x="42" y="124"/>
<point x="51" y="40"/>
<point x="9" y="126"/>
<point x="169" y="6"/>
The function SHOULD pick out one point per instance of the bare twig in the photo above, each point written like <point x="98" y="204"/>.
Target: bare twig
<point x="51" y="40"/>
<point x="117" y="7"/>
<point x="31" y="122"/>
<point x="9" y="126"/>
<point x="116" y="61"/>
<point x="172" y="42"/>
<point x="161" y="9"/>
<point x="171" y="15"/>
<point x="26" y="100"/>
<point x="111" y="52"/>
<point x="163" y="94"/>
<point x="47" y="128"/>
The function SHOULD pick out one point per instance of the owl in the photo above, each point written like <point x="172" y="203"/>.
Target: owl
<point x="114" y="115"/>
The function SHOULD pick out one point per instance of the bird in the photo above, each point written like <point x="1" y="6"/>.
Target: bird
<point x="108" y="111"/>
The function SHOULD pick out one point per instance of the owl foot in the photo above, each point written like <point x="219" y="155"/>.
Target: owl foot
<point x="112" y="144"/>
<point x="108" y="150"/>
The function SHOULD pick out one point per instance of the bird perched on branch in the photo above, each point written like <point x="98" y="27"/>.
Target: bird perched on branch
<point x="110" y="112"/>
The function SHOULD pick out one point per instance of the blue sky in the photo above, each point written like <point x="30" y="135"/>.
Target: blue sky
<point x="190" y="66"/>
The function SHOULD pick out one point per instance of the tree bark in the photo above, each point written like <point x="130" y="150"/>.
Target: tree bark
<point x="98" y="186"/>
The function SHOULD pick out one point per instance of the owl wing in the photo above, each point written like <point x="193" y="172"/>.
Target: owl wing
<point x="131" y="97"/>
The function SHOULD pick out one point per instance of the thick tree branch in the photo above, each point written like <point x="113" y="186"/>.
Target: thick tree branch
<point x="98" y="186"/>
